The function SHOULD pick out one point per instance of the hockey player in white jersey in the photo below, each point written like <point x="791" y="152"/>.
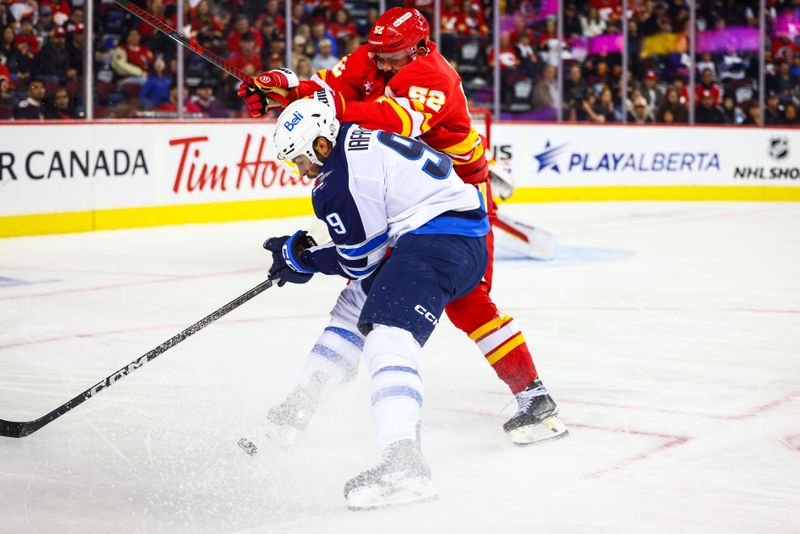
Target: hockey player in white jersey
<point x="375" y="190"/>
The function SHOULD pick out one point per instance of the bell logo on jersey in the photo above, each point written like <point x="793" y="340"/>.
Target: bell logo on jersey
<point x="295" y="120"/>
<point x="428" y="315"/>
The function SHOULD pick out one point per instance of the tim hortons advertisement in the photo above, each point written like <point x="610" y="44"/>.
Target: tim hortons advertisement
<point x="567" y="155"/>
<point x="67" y="168"/>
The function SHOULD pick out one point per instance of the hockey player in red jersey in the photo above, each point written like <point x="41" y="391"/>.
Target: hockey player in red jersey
<point x="399" y="82"/>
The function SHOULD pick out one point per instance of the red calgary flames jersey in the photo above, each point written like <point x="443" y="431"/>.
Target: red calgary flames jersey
<point x="423" y="99"/>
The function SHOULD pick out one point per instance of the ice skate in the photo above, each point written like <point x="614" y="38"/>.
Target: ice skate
<point x="402" y="478"/>
<point x="286" y="420"/>
<point x="536" y="419"/>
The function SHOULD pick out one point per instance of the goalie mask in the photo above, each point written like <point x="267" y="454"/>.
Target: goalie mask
<point x="299" y="125"/>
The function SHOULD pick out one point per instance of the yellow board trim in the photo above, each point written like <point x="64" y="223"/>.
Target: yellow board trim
<point x="488" y="327"/>
<point x="656" y="192"/>
<point x="515" y="342"/>
<point x="113" y="219"/>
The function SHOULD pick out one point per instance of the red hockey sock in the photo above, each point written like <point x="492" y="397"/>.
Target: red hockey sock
<point x="497" y="335"/>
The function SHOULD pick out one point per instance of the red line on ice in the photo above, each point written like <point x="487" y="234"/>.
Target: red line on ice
<point x="793" y="442"/>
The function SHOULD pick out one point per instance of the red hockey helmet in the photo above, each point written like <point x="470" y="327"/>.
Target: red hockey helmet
<point x="397" y="35"/>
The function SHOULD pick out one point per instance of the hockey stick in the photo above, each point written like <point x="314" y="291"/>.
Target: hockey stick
<point x="195" y="47"/>
<point x="12" y="429"/>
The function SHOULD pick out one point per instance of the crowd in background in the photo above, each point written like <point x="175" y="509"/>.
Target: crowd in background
<point x="41" y="56"/>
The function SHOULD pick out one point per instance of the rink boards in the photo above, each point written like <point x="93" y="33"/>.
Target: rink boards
<point x="73" y="176"/>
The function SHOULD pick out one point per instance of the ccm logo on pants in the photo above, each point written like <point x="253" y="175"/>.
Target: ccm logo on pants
<point x="425" y="313"/>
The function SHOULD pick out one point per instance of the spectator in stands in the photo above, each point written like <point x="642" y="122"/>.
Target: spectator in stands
<point x="6" y="93"/>
<point x="62" y="108"/>
<point x="592" y="25"/>
<point x="707" y="84"/>
<point x="26" y="34"/>
<point x="8" y="45"/>
<point x="247" y="58"/>
<point x="708" y="112"/>
<point x="304" y="69"/>
<point x="509" y="61"/>
<point x="528" y="60"/>
<point x="707" y="62"/>
<point x="270" y="31"/>
<point x="20" y="64"/>
<point x="341" y="27"/>
<point x="673" y="105"/>
<point x="471" y="20"/>
<point x="545" y="91"/>
<point x="729" y="111"/>
<point x="61" y="9"/>
<point x="651" y="93"/>
<point x="274" y="11"/>
<point x="790" y="115"/>
<point x="773" y="114"/>
<point x="753" y="115"/>
<point x="44" y="26"/>
<point x="242" y="28"/>
<point x="76" y="18"/>
<point x="301" y="50"/>
<point x="155" y="90"/>
<point x="172" y="105"/>
<point x="320" y="32"/>
<point x="784" y="48"/>
<point x="206" y="27"/>
<point x="131" y="61"/>
<point x="274" y="61"/>
<point x="641" y="113"/>
<point x="732" y="66"/>
<point x="157" y="9"/>
<point x="75" y="43"/>
<point x="207" y="103"/>
<point x="574" y="92"/>
<point x="372" y="16"/>
<point x="298" y="16"/>
<point x="52" y="62"/>
<point x="573" y="26"/>
<point x="605" y="106"/>
<point x="31" y="107"/>
<point x="666" y="117"/>
<point x="783" y="82"/>
<point x="324" y="60"/>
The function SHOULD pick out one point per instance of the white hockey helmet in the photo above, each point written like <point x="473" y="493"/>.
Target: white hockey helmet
<point x="299" y="124"/>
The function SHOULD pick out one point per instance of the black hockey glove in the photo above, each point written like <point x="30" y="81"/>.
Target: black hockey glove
<point x="286" y="266"/>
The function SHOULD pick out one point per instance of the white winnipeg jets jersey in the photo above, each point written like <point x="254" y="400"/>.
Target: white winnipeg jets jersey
<point x="377" y="186"/>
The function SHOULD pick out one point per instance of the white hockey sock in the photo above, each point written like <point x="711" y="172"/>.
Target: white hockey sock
<point x="391" y="355"/>
<point x="335" y="354"/>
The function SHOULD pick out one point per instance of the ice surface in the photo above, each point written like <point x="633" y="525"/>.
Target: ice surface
<point x="668" y="333"/>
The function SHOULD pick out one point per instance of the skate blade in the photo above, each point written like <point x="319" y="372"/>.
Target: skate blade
<point x="547" y="429"/>
<point x="413" y="491"/>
